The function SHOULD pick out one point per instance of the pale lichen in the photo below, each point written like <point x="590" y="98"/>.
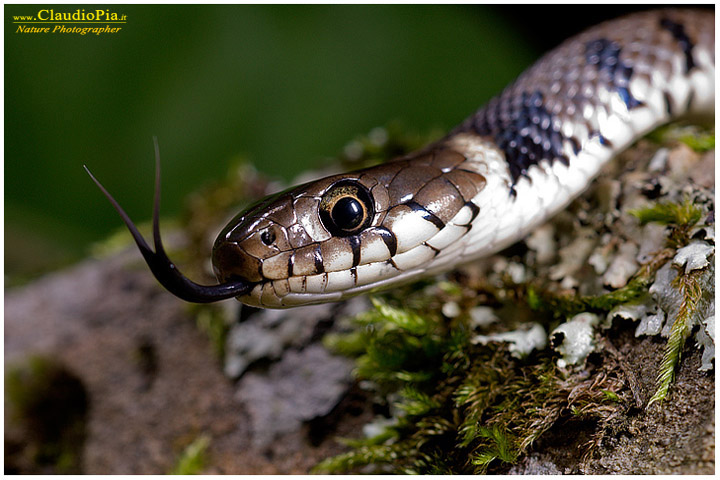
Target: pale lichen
<point x="574" y="339"/>
<point x="520" y="342"/>
<point x="706" y="340"/>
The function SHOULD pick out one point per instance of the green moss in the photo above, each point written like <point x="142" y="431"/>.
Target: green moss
<point x="699" y="143"/>
<point x="565" y="306"/>
<point x="399" y="345"/>
<point x="611" y="396"/>
<point x="193" y="458"/>
<point x="500" y="448"/>
<point x="698" y="138"/>
<point x="680" y="214"/>
<point x="365" y="455"/>
<point x="459" y="408"/>
<point x="689" y="287"/>
<point x="415" y="402"/>
<point x="462" y="408"/>
<point x="680" y="217"/>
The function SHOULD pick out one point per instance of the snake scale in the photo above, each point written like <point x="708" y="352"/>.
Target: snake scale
<point x="506" y="169"/>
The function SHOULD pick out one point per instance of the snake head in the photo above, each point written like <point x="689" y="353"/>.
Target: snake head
<point x="332" y="238"/>
<point x="348" y="234"/>
<point x="250" y="239"/>
<point x="295" y="233"/>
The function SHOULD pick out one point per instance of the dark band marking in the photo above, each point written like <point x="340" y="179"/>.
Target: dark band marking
<point x="353" y="272"/>
<point x="678" y="32"/>
<point x="317" y="254"/>
<point x="290" y="265"/>
<point x="475" y="210"/>
<point x="526" y="133"/>
<point x="389" y="238"/>
<point x="575" y="144"/>
<point x="668" y="103"/>
<point x="690" y="100"/>
<point x="437" y="251"/>
<point x="429" y="216"/>
<point x="605" y="56"/>
<point x="354" y="242"/>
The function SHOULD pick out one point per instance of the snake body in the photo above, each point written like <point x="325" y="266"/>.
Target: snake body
<point x="490" y="181"/>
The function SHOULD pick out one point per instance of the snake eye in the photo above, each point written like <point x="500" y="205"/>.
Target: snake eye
<point x="346" y="208"/>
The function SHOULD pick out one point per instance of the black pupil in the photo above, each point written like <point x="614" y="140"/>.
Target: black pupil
<point x="347" y="213"/>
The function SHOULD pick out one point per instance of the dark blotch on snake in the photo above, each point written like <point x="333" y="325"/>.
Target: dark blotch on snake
<point x="525" y="133"/>
<point x="678" y="33"/>
<point x="605" y="56"/>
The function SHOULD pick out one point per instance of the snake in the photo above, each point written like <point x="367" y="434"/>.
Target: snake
<point x="489" y="182"/>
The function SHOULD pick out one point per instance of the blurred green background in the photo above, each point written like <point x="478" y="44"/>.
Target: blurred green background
<point x="283" y="86"/>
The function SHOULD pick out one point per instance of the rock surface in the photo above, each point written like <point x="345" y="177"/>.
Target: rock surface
<point x="155" y="384"/>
